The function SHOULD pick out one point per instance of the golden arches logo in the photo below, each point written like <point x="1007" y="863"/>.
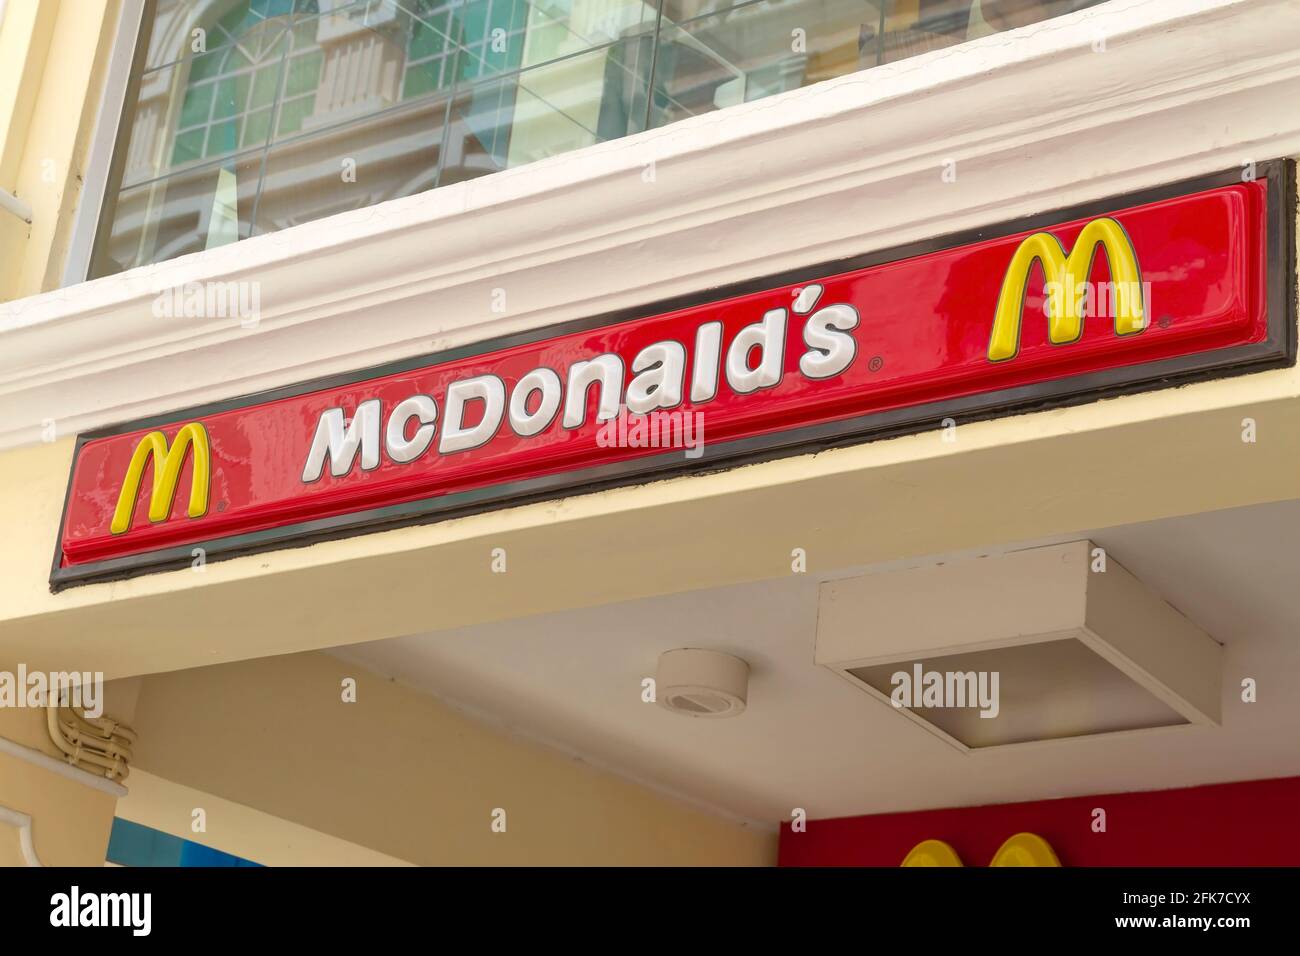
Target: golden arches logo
<point x="1023" y="849"/>
<point x="167" y="463"/>
<point x="1065" y="274"/>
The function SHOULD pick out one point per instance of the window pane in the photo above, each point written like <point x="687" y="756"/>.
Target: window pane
<point x="547" y="110"/>
<point x="751" y="51"/>
<point x="199" y="208"/>
<point x="371" y="56"/>
<point x="342" y="66"/>
<point x="199" y="109"/>
<point x="382" y="157"/>
<point x="913" y="27"/>
<point x="173" y="36"/>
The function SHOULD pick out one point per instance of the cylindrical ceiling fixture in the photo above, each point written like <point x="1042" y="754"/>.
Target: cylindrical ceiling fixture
<point x="700" y="683"/>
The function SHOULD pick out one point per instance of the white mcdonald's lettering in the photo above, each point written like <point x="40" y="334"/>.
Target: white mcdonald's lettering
<point x="475" y="409"/>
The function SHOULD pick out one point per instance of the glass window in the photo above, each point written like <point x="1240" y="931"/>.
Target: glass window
<point x="368" y="161"/>
<point x="196" y="209"/>
<point x="249" y="116"/>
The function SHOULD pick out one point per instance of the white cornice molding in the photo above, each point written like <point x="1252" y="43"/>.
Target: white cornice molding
<point x="1121" y="96"/>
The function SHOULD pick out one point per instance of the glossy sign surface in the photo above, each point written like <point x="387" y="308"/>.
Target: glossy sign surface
<point x="922" y="338"/>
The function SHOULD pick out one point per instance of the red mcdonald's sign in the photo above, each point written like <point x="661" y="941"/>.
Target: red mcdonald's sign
<point x="1184" y="281"/>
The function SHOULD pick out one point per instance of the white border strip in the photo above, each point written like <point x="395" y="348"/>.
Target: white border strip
<point x="22" y="822"/>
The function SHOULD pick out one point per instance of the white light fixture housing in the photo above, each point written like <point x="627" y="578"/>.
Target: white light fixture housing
<point x="1078" y="650"/>
<point x="700" y="683"/>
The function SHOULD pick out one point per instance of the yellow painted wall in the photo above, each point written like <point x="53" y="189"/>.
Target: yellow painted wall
<point x="406" y="776"/>
<point x="25" y="725"/>
<point x="234" y="828"/>
<point x="71" y="820"/>
<point x="25" y="36"/>
<point x="53" y="58"/>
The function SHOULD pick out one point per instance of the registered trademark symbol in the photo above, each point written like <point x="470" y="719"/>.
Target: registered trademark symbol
<point x="1165" y="321"/>
<point x="876" y="363"/>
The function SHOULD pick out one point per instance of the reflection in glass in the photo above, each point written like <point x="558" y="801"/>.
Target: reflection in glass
<point x="550" y="109"/>
<point x="260" y="107"/>
<point x="197" y="209"/>
<point x="913" y="27"/>
<point x="751" y="51"/>
<point x="387" y="156"/>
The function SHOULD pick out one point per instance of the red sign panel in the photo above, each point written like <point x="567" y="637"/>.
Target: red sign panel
<point x="1184" y="281"/>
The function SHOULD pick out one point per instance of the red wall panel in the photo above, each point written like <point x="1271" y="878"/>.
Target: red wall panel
<point x="1256" y="823"/>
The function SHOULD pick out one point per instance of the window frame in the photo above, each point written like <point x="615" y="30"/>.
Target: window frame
<point x="107" y="148"/>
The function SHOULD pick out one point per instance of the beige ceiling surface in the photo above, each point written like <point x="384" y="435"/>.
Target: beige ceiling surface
<point x="809" y="739"/>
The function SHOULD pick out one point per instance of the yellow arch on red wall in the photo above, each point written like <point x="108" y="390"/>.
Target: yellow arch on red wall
<point x="932" y="853"/>
<point x="1023" y="849"/>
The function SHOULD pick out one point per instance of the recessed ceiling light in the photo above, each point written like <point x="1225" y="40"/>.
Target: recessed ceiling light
<point x="1035" y="646"/>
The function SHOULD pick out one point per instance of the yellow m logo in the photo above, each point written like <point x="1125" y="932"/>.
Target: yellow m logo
<point x="1066" y="274"/>
<point x="1023" y="849"/>
<point x="166" y="473"/>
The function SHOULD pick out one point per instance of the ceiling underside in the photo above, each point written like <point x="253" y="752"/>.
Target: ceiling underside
<point x="808" y="739"/>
